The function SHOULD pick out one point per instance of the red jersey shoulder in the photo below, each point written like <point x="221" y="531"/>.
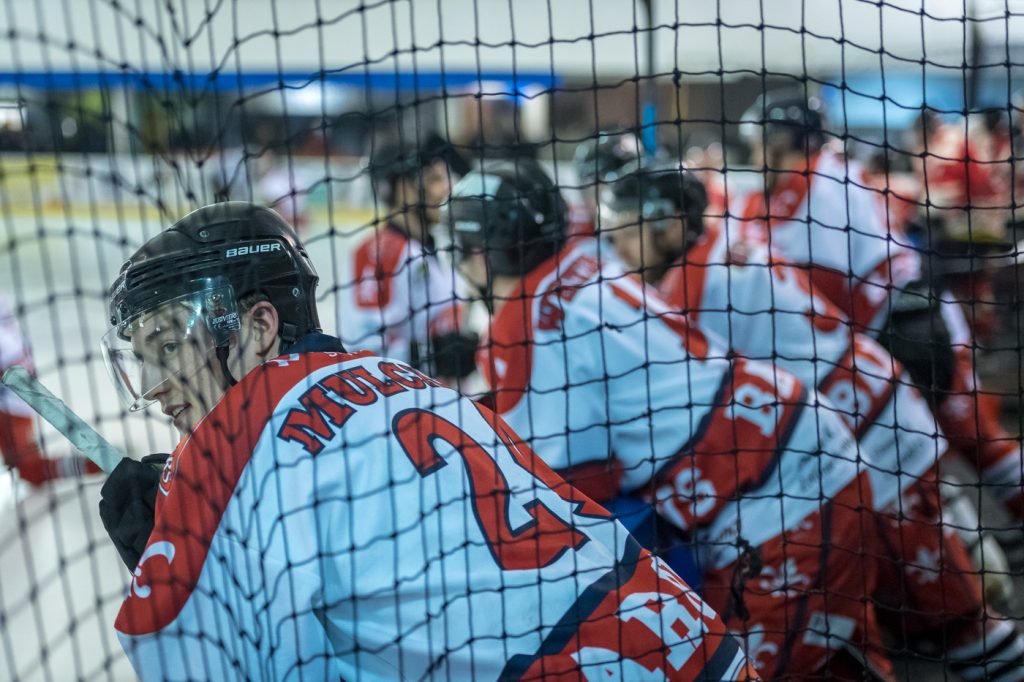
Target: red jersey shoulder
<point x="682" y="287"/>
<point x="506" y="356"/>
<point x="198" y="482"/>
<point x="376" y="261"/>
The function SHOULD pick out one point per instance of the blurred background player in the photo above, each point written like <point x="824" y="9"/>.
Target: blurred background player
<point x="404" y="302"/>
<point x="656" y="217"/>
<point x="813" y="212"/>
<point x="620" y="395"/>
<point x="964" y="190"/>
<point x="316" y="506"/>
<point x="18" y="443"/>
<point x="808" y="212"/>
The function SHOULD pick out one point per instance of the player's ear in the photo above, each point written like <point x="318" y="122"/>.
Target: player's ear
<point x="261" y="323"/>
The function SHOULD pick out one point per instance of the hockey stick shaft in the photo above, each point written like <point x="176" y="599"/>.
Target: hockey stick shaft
<point x="53" y="410"/>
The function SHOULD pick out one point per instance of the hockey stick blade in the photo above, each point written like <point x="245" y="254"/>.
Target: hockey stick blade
<point x="52" y="409"/>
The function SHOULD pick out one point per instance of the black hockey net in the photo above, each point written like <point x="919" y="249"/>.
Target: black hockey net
<point x="817" y="134"/>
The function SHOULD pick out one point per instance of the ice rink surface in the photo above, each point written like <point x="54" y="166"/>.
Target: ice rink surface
<point x="61" y="581"/>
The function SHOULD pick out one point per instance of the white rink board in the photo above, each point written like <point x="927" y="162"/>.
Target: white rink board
<point x="74" y="606"/>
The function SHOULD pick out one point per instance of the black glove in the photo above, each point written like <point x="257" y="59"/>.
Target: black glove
<point x="454" y="355"/>
<point x="127" y="503"/>
<point x="916" y="334"/>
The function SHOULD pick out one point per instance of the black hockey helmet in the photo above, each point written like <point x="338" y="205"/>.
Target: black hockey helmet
<point x="250" y="247"/>
<point x="393" y="161"/>
<point x="650" y="194"/>
<point x="511" y="211"/>
<point x="603" y="156"/>
<point x="208" y="261"/>
<point x="789" y="120"/>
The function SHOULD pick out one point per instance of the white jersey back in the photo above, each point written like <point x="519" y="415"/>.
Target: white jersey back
<point x="355" y="520"/>
<point x="825" y="219"/>
<point x="592" y="368"/>
<point x="762" y="310"/>
<point x="768" y="312"/>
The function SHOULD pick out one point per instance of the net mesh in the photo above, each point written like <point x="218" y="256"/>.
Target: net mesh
<point x="743" y="273"/>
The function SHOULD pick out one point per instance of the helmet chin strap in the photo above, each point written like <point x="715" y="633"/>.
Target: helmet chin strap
<point x="222" y="356"/>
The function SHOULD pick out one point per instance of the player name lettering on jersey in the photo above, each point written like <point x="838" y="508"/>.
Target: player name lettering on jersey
<point x="330" y="403"/>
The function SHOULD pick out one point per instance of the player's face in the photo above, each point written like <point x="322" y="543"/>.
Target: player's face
<point x="178" y="365"/>
<point x="437" y="185"/>
<point x="637" y="245"/>
<point x="473" y="266"/>
<point x="757" y="157"/>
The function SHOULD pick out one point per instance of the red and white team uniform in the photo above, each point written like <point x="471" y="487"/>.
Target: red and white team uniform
<point x="768" y="312"/>
<point x="970" y="418"/>
<point x="610" y="387"/>
<point x="821" y="218"/>
<point x="399" y="298"/>
<point x="342" y="516"/>
<point x="856" y="268"/>
<point x="956" y="175"/>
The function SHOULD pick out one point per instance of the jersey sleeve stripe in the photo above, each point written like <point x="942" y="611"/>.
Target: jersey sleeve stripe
<point x="566" y="628"/>
<point x="726" y="663"/>
<point x="785" y="433"/>
<point x="698" y="434"/>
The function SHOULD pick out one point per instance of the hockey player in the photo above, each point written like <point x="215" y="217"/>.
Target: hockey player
<point x="814" y="212"/>
<point x="620" y="395"/>
<point x="656" y="217"/>
<point x="811" y="211"/>
<point x="18" y="443"/>
<point x="402" y="302"/>
<point x="333" y="515"/>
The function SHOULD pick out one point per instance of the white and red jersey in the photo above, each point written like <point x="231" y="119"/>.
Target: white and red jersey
<point x="595" y="372"/>
<point x="342" y="516"/>
<point x="400" y="296"/>
<point x="767" y="312"/>
<point x="823" y="218"/>
<point x="14" y="350"/>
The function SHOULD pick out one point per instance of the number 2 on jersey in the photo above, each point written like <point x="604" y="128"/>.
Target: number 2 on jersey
<point x="535" y="544"/>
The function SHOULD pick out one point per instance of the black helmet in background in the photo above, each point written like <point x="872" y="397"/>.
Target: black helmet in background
<point x="510" y="211"/>
<point x="785" y="121"/>
<point x="653" y="193"/>
<point x="603" y="156"/>
<point x="396" y="160"/>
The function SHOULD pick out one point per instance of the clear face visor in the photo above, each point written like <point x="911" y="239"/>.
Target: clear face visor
<point x="170" y="343"/>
